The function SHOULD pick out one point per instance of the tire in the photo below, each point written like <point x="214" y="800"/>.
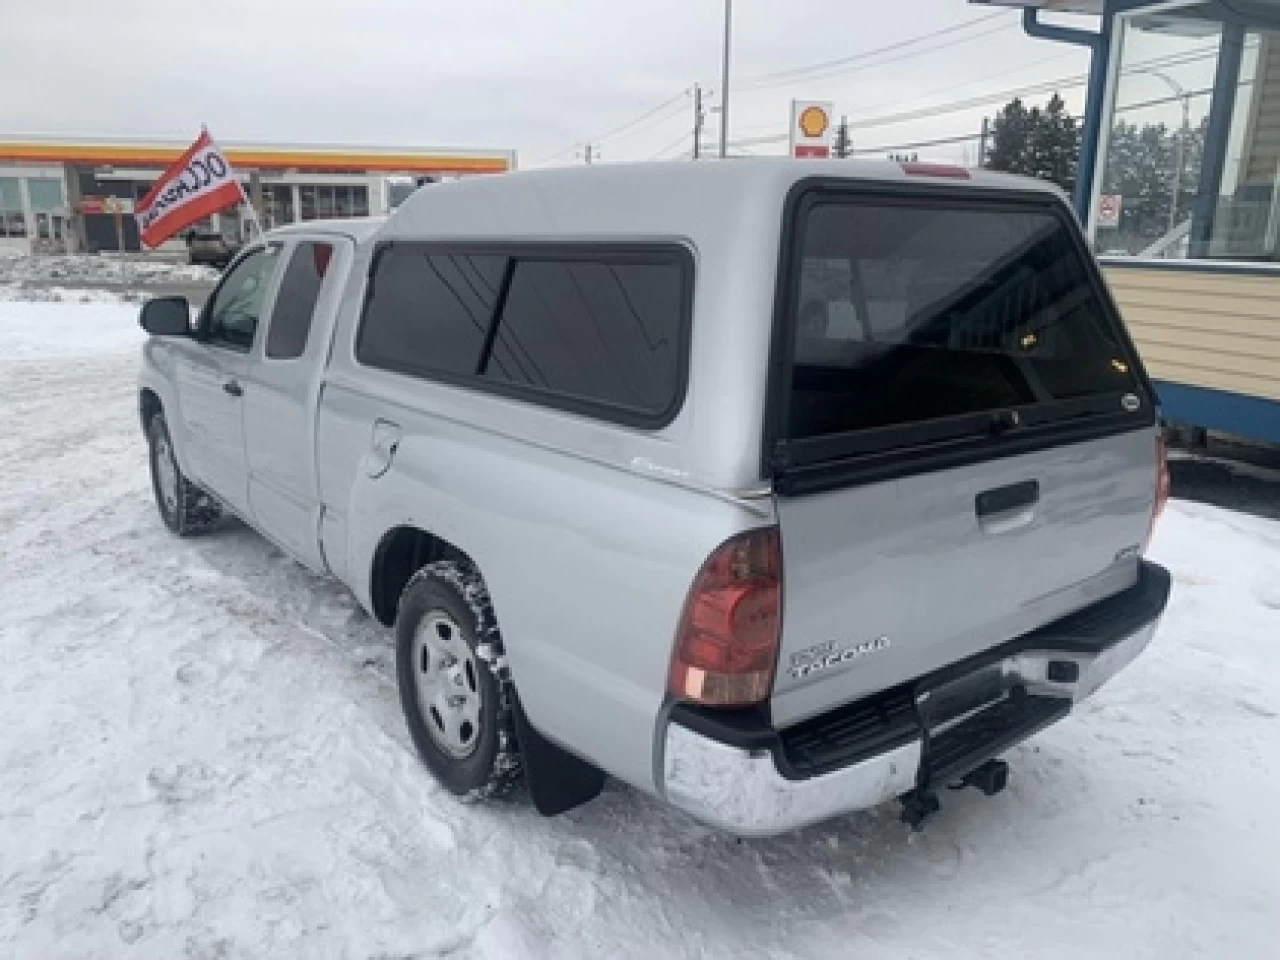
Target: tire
<point x="455" y="688"/>
<point x="184" y="507"/>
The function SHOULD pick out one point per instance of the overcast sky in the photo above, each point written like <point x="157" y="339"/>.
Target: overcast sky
<point x="542" y="76"/>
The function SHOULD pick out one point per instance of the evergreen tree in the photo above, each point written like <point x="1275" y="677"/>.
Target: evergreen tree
<point x="1036" y="142"/>
<point x="1010" y="135"/>
<point x="1139" y="166"/>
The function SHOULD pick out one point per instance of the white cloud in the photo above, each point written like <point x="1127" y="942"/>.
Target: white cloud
<point x="538" y="76"/>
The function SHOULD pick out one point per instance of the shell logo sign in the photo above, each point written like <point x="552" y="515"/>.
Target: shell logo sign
<point x="814" y="121"/>
<point x="811" y="129"/>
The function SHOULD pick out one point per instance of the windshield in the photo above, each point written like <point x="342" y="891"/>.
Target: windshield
<point x="909" y="311"/>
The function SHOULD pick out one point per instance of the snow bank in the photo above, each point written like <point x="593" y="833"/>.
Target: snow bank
<point x="89" y="270"/>
<point x="13" y="292"/>
<point x="202" y="755"/>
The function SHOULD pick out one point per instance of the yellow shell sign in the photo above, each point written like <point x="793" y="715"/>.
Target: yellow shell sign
<point x="811" y="128"/>
<point x="814" y="121"/>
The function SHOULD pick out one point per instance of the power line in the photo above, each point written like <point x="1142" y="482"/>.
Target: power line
<point x="676" y="110"/>
<point x="555" y="156"/>
<point x="1185" y="95"/>
<point x="616" y="130"/>
<point x="670" y="104"/>
<point x="785" y="76"/>
<point x="1045" y="86"/>
<point x="910" y="55"/>
<point x="941" y="141"/>
<point x="669" y="147"/>
<point x="640" y="119"/>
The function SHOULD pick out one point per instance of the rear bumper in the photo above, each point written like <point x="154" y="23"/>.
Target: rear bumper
<point x="750" y="780"/>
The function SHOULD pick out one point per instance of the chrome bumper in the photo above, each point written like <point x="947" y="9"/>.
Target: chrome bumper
<point x="744" y="793"/>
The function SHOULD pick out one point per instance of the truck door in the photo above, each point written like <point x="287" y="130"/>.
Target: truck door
<point x="281" y="388"/>
<point x="211" y="373"/>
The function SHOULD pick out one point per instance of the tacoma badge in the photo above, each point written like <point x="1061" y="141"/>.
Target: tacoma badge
<point x="827" y="655"/>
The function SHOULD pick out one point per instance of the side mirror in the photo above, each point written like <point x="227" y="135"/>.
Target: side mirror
<point x="166" y="317"/>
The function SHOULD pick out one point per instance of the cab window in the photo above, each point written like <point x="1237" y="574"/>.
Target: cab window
<point x="236" y="306"/>
<point x="296" y="302"/>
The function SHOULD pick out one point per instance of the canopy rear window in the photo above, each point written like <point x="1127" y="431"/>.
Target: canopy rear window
<point x="907" y="312"/>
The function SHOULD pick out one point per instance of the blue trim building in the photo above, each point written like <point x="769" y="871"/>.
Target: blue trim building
<point x="1193" y="256"/>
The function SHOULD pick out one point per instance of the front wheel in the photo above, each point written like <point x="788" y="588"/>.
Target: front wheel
<point x="184" y="507"/>
<point x="454" y="689"/>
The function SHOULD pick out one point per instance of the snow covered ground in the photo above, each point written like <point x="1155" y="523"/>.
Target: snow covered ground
<point x="201" y="755"/>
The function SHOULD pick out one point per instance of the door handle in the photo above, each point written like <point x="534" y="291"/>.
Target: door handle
<point x="383" y="446"/>
<point x="233" y="387"/>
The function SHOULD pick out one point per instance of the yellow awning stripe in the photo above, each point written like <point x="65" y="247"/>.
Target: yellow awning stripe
<point x="261" y="158"/>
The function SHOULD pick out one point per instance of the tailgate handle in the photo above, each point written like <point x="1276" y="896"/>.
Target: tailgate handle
<point x="1016" y="496"/>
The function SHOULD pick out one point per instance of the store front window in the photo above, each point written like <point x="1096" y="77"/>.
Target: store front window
<point x="322" y="202"/>
<point x="277" y="200"/>
<point x="45" y="194"/>
<point x="12" y="221"/>
<point x="1190" y="163"/>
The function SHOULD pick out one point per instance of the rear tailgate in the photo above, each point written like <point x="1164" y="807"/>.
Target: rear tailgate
<point x="961" y="439"/>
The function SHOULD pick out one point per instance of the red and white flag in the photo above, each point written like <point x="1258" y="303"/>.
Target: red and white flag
<point x="199" y="183"/>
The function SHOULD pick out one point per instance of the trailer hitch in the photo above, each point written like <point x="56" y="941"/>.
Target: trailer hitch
<point x="921" y="803"/>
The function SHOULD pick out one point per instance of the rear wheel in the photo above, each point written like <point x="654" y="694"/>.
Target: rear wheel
<point x="454" y="687"/>
<point x="184" y="507"/>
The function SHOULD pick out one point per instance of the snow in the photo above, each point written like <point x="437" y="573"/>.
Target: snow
<point x="202" y="755"/>
<point x="96" y="279"/>
<point x="41" y="331"/>
<point x="36" y="294"/>
<point x="88" y="269"/>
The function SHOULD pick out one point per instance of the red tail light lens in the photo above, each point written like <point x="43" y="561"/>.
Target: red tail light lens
<point x="727" y="641"/>
<point x="925" y="169"/>
<point x="1162" y="487"/>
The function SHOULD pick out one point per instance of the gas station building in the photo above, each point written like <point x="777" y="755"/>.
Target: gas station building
<point x="77" y="195"/>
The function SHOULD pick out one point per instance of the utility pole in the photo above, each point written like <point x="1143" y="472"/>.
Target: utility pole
<point x="724" y="80"/>
<point x="698" y="117"/>
<point x="842" y="147"/>
<point x="982" y="143"/>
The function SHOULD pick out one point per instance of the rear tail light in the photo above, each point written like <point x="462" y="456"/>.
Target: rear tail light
<point x="916" y="168"/>
<point x="727" y="642"/>
<point x="1162" y="487"/>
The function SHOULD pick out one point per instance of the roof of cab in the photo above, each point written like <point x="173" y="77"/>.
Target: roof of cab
<point x="357" y="228"/>
<point x="617" y="201"/>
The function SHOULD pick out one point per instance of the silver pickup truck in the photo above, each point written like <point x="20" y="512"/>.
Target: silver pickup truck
<point x="775" y="489"/>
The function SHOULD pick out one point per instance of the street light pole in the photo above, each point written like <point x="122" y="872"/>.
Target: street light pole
<point x="724" y="80"/>
<point x="1178" y="149"/>
<point x="1175" y="179"/>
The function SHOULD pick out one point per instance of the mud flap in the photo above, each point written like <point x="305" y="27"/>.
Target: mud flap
<point x="558" y="781"/>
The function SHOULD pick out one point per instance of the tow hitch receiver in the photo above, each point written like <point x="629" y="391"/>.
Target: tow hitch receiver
<point x="917" y="807"/>
<point x="963" y="726"/>
<point x="990" y="778"/>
